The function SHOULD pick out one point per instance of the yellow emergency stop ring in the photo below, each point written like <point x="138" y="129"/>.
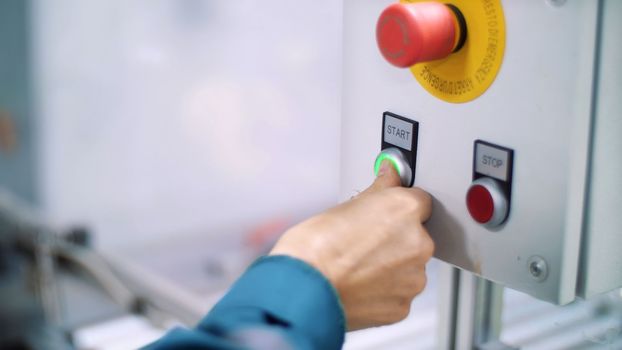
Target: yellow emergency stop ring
<point x="465" y="75"/>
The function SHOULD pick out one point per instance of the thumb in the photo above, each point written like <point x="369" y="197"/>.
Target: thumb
<point x="387" y="177"/>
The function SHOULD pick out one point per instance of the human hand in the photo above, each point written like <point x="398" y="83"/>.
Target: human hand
<point x="373" y="249"/>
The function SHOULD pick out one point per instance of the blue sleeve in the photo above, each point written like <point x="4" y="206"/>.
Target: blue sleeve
<point x="279" y="303"/>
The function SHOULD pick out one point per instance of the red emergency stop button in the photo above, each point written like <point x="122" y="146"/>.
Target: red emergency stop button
<point x="411" y="33"/>
<point x="487" y="202"/>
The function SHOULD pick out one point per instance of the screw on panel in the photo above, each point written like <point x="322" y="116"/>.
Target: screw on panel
<point x="538" y="268"/>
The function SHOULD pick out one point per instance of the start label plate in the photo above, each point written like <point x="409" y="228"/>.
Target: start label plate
<point x="468" y="73"/>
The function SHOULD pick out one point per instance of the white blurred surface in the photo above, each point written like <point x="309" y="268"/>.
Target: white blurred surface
<point x="166" y="117"/>
<point x="127" y="332"/>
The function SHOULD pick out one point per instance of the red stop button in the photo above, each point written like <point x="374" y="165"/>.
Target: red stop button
<point x="487" y="202"/>
<point x="411" y="33"/>
<point x="480" y="204"/>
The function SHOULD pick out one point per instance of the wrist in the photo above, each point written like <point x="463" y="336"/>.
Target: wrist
<point x="314" y="251"/>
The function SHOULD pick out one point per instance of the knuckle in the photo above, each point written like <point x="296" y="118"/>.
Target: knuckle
<point x="417" y="286"/>
<point x="423" y="197"/>
<point x="402" y="311"/>
<point x="410" y="202"/>
<point x="401" y="195"/>
<point x="405" y="203"/>
<point x="427" y="247"/>
<point x="424" y="201"/>
<point x="422" y="246"/>
<point x="423" y="281"/>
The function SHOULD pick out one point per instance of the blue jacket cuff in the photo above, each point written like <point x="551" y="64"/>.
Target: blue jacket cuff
<point x="284" y="292"/>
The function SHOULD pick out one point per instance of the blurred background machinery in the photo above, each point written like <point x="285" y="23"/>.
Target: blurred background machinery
<point x="172" y="132"/>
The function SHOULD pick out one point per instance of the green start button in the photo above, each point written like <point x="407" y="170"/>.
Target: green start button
<point x="399" y="162"/>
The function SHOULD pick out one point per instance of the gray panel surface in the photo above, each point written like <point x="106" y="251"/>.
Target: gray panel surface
<point x="539" y="106"/>
<point x="601" y="266"/>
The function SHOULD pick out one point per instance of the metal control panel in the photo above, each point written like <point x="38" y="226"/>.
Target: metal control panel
<point x="526" y="136"/>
